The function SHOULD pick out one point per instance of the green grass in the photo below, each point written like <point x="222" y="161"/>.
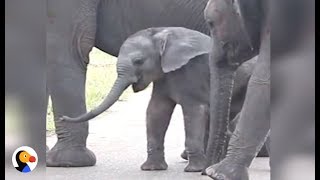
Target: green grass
<point x="101" y="75"/>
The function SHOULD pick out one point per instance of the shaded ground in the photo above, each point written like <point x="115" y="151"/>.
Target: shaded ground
<point x="118" y="138"/>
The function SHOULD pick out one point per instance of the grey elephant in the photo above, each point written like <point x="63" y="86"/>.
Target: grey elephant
<point x="241" y="30"/>
<point x="76" y="26"/>
<point x="175" y="59"/>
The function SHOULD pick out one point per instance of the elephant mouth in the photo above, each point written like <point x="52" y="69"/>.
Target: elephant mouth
<point x="139" y="86"/>
<point x="237" y="52"/>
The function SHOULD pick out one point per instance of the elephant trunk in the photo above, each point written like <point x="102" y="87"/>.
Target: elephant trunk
<point x="221" y="82"/>
<point x="119" y="86"/>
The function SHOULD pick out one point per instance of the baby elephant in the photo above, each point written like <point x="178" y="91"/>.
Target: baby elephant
<point x="175" y="59"/>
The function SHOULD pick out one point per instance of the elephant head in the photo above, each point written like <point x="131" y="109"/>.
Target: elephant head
<point x="146" y="56"/>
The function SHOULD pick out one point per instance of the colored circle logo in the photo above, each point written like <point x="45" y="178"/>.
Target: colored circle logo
<point x="25" y="159"/>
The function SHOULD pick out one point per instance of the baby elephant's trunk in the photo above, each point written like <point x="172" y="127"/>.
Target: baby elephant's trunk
<point x="119" y="86"/>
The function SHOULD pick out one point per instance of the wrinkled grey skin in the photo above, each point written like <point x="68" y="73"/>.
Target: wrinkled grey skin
<point x="73" y="28"/>
<point x="174" y="59"/>
<point x="240" y="31"/>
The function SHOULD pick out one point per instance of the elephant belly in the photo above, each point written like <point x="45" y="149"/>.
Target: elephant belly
<point x="118" y="19"/>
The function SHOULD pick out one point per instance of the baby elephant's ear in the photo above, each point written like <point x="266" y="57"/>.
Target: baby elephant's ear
<point x="178" y="45"/>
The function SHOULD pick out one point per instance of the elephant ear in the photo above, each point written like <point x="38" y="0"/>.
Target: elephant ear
<point x="178" y="45"/>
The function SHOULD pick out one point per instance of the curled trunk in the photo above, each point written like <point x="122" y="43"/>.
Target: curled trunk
<point x="119" y="86"/>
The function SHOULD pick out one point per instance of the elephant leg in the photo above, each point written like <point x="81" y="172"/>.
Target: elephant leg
<point x="184" y="154"/>
<point x="67" y="93"/>
<point x="264" y="152"/>
<point x="195" y="118"/>
<point x="159" y="113"/>
<point x="232" y="126"/>
<point x="70" y="37"/>
<point x="254" y="123"/>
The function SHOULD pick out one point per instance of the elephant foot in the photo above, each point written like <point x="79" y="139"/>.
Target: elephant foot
<point x="184" y="155"/>
<point x="76" y="156"/>
<point x="195" y="164"/>
<point x="154" y="164"/>
<point x="227" y="171"/>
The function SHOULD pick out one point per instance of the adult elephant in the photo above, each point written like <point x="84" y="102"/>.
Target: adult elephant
<point x="240" y="31"/>
<point x="74" y="27"/>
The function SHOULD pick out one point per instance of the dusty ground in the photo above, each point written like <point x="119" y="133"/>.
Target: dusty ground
<point x="119" y="141"/>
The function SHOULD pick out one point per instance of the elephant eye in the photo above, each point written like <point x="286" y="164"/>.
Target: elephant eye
<point x="138" y="61"/>
<point x="210" y="24"/>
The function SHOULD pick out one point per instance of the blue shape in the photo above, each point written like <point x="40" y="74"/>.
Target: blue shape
<point x="26" y="169"/>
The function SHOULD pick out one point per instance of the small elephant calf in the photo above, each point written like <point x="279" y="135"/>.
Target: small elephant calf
<point x="175" y="59"/>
